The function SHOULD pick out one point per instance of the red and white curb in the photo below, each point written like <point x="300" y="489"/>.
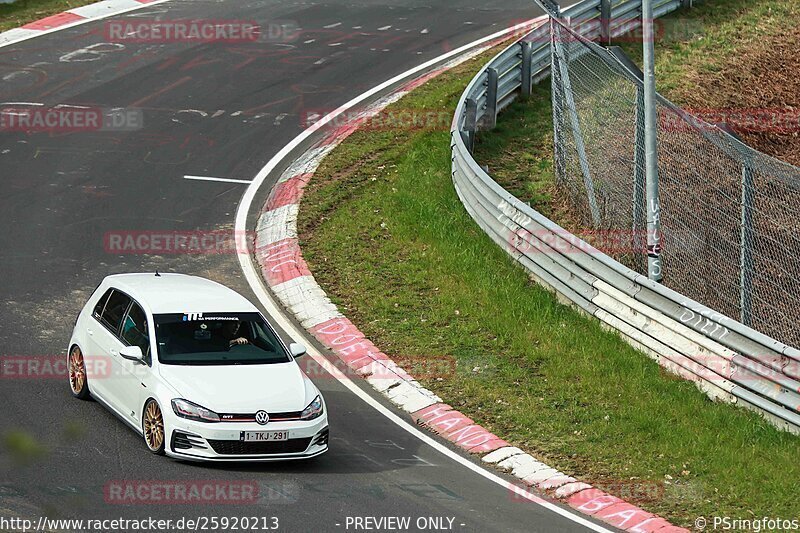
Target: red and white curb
<point x="280" y="259"/>
<point x="72" y="17"/>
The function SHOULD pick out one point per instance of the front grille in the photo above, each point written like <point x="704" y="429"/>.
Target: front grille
<point x="274" y="417"/>
<point x="237" y="447"/>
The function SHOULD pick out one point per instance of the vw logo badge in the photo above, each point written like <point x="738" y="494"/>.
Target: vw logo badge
<point x="262" y="417"/>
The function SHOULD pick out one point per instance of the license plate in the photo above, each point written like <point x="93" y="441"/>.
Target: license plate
<point x="264" y="436"/>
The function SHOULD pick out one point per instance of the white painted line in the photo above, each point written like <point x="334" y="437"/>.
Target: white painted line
<point x="76" y="23"/>
<point x="276" y="312"/>
<point x="207" y="178"/>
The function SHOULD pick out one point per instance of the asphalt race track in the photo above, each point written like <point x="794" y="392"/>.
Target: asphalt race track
<point x="218" y="110"/>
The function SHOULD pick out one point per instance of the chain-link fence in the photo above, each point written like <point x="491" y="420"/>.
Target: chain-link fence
<point x="729" y="214"/>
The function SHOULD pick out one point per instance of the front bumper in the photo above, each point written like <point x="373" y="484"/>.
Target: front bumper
<point x="199" y="441"/>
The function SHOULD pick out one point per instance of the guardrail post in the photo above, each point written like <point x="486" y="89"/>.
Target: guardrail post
<point x="605" y="22"/>
<point x="527" y="75"/>
<point x="470" y="123"/>
<point x="746" y="253"/>
<point x="560" y="58"/>
<point x="491" y="97"/>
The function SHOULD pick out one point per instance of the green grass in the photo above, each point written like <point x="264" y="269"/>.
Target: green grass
<point x="22" y="12"/>
<point x="387" y="238"/>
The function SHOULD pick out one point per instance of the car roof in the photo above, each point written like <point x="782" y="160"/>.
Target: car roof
<point x="180" y="293"/>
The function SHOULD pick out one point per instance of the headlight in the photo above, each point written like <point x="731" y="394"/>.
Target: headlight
<point x="314" y="409"/>
<point x="185" y="409"/>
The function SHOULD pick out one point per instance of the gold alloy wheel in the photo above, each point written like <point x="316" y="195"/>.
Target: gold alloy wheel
<point x="153" y="426"/>
<point x="77" y="371"/>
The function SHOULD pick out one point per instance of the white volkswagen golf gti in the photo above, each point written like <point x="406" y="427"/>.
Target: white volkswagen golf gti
<point x="195" y="369"/>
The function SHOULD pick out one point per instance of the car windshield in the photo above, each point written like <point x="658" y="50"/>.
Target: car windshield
<point x="217" y="339"/>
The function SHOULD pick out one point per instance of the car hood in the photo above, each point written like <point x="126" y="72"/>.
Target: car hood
<point x="240" y="389"/>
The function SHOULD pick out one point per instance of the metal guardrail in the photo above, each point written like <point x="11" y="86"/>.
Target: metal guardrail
<point x="726" y="359"/>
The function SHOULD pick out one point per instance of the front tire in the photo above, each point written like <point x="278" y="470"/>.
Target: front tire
<point x="153" y="427"/>
<point x="78" y="382"/>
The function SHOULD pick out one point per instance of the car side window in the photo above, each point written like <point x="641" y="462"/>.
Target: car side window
<point x="134" y="329"/>
<point x="114" y="310"/>
<point x="101" y="304"/>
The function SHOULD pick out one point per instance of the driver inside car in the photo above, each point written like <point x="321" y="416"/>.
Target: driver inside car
<point x="231" y="332"/>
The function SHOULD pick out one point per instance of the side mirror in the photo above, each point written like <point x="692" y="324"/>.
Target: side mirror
<point x="297" y="349"/>
<point x="132" y="353"/>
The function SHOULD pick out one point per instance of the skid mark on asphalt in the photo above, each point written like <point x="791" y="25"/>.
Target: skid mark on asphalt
<point x="161" y="91"/>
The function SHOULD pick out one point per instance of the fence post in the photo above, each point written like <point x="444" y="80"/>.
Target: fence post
<point x="491" y="97"/>
<point x="588" y="183"/>
<point x="557" y="97"/>
<point x="639" y="217"/>
<point x="605" y="22"/>
<point x="654" y="266"/>
<point x="470" y="123"/>
<point x="746" y="247"/>
<point x="527" y="78"/>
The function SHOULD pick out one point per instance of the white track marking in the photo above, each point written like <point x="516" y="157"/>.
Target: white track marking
<point x="79" y="22"/>
<point x="225" y="180"/>
<point x="257" y="285"/>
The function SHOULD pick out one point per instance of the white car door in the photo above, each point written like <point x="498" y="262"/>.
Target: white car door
<point x="134" y="332"/>
<point x="104" y="332"/>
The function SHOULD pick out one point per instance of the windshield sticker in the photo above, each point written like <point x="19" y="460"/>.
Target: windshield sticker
<point x="194" y="317"/>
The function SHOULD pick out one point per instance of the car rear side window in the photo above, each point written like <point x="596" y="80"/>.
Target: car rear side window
<point x="134" y="329"/>
<point x="98" y="309"/>
<point x="114" y="311"/>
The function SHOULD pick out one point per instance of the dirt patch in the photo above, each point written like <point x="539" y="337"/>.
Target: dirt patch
<point x="763" y="76"/>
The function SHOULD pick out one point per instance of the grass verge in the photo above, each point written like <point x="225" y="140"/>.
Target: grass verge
<point x="22" y="12"/>
<point x="386" y="236"/>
